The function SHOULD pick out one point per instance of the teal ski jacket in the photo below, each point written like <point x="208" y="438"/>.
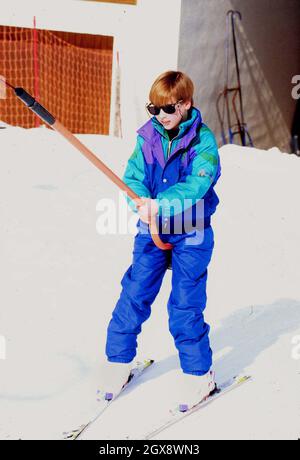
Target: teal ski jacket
<point x="179" y="173"/>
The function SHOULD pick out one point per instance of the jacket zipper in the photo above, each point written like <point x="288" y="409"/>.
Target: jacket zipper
<point x="169" y="148"/>
<point x="170" y="144"/>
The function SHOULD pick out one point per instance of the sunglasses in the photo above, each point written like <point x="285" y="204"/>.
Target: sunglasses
<point x="169" y="108"/>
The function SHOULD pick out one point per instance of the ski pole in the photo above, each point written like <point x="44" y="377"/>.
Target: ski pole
<point x="48" y="118"/>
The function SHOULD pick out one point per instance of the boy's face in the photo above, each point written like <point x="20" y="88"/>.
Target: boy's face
<point x="171" y="121"/>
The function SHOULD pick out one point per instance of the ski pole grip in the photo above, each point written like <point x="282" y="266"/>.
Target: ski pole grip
<point x="37" y="108"/>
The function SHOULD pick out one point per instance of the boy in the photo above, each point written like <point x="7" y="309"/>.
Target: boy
<point x="174" y="168"/>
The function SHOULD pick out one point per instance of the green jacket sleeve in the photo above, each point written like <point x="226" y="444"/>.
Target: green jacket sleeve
<point x="134" y="175"/>
<point x="183" y="195"/>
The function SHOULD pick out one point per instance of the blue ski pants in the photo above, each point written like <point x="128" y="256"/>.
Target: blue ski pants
<point x="141" y="283"/>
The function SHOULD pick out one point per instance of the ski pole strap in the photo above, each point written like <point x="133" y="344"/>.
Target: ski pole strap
<point x="33" y="105"/>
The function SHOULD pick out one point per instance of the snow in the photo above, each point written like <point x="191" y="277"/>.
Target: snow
<point x="61" y="280"/>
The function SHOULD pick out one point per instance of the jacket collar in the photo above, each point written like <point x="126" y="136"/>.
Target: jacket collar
<point x="187" y="129"/>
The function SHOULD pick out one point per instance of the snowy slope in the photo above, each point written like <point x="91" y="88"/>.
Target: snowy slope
<point x="61" y="280"/>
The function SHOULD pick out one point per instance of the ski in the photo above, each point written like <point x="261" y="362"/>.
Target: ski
<point x="105" y="399"/>
<point x="178" y="413"/>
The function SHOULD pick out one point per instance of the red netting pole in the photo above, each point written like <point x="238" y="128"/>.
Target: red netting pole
<point x="36" y="67"/>
<point x="119" y="108"/>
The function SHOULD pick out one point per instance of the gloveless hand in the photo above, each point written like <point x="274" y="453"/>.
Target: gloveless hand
<point x="147" y="209"/>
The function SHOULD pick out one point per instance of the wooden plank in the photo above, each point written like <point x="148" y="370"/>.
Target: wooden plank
<point x="127" y="2"/>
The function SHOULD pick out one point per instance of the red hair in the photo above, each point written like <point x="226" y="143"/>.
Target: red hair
<point x="170" y="87"/>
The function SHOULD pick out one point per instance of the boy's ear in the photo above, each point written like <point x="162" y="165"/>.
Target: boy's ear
<point x="188" y="105"/>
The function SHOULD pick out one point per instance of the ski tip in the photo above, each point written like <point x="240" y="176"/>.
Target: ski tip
<point x="72" y="435"/>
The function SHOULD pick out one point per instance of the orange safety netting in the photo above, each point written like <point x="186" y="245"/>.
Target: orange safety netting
<point x="74" y="82"/>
